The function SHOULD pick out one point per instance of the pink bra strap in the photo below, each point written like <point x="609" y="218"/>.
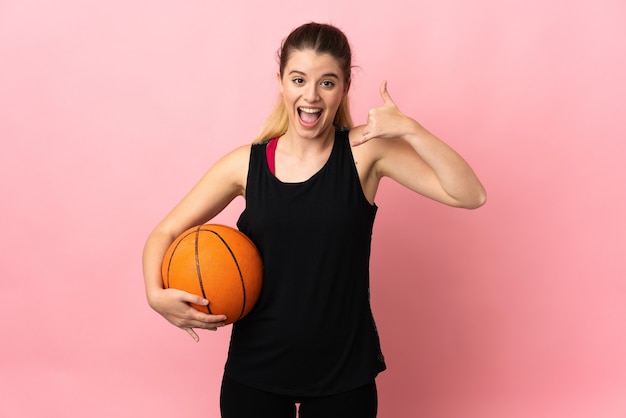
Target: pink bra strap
<point x="270" y="152"/>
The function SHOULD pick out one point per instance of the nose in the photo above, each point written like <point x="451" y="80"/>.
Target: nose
<point x="311" y="94"/>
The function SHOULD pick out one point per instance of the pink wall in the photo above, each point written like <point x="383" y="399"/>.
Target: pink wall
<point x="110" y="111"/>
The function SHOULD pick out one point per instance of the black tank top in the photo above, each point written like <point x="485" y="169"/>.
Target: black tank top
<point x="312" y="332"/>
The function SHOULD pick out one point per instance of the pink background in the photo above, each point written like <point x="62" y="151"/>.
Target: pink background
<point x="110" y="111"/>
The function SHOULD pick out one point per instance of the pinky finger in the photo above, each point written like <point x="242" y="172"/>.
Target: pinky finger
<point x="358" y="142"/>
<point x="193" y="334"/>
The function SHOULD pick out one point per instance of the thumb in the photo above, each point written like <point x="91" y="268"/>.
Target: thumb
<point x="385" y="94"/>
<point x="195" y="299"/>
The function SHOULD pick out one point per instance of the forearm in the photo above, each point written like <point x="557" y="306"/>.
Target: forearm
<point x="454" y="174"/>
<point x="154" y="249"/>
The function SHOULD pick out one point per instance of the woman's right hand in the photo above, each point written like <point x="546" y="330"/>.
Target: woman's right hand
<point x="224" y="181"/>
<point x="174" y="305"/>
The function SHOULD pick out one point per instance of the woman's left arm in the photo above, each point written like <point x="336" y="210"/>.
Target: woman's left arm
<point x="409" y="154"/>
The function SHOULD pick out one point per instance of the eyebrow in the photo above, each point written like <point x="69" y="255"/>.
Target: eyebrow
<point x="323" y="75"/>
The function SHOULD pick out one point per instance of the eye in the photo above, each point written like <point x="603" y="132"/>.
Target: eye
<point x="328" y="83"/>
<point x="298" y="81"/>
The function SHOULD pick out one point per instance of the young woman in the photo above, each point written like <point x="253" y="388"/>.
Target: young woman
<point x="310" y="182"/>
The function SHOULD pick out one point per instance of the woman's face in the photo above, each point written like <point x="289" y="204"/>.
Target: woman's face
<point x="312" y="87"/>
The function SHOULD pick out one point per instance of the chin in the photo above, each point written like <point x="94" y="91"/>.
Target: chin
<point x="319" y="130"/>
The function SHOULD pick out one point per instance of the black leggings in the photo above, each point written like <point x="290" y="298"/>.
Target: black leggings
<point x="241" y="401"/>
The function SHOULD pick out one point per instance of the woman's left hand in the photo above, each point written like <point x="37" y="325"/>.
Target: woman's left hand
<point x="386" y="121"/>
<point x="413" y="157"/>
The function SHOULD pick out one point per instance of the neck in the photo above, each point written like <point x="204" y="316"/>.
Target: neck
<point x="300" y="145"/>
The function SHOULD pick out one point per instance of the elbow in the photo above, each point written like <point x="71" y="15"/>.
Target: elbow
<point x="477" y="200"/>
<point x="477" y="203"/>
<point x="471" y="199"/>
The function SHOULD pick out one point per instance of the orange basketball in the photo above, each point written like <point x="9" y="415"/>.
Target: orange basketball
<point x="218" y="263"/>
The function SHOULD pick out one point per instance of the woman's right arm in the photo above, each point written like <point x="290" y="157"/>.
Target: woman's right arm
<point x="216" y="189"/>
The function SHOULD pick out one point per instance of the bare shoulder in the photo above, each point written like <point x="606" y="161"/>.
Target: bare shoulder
<point x="367" y="149"/>
<point x="240" y="153"/>
<point x="238" y="156"/>
<point x="237" y="159"/>
<point x="234" y="165"/>
<point x="220" y="184"/>
<point x="226" y="178"/>
<point x="368" y="153"/>
<point x="385" y="157"/>
<point x="366" y="156"/>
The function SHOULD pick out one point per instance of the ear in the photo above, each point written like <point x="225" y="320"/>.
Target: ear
<point x="347" y="88"/>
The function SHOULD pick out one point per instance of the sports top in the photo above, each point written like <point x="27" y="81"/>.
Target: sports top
<point x="311" y="332"/>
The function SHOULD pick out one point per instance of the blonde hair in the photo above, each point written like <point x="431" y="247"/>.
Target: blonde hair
<point x="323" y="39"/>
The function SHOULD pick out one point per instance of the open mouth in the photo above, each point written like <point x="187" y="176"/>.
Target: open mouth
<point x="309" y="115"/>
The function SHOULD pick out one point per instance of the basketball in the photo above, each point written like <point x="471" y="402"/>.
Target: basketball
<point x="219" y="263"/>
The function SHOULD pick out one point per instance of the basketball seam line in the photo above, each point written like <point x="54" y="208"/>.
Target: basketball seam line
<point x="198" y="269"/>
<point x="243" y="284"/>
